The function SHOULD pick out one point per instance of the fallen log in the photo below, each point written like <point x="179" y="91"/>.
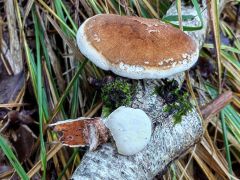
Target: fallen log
<point x="168" y="142"/>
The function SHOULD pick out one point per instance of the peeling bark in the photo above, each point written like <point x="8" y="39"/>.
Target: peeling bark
<point x="168" y="141"/>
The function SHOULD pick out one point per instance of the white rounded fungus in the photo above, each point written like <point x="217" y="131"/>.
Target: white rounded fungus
<point x="131" y="129"/>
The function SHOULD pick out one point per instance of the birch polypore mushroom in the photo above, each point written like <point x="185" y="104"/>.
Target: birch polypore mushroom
<point x="131" y="129"/>
<point x="136" y="47"/>
<point x="168" y="141"/>
<point x="139" y="48"/>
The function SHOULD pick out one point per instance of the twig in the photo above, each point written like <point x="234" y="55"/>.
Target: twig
<point x="216" y="105"/>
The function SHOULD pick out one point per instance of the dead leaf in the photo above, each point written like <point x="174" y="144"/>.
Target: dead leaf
<point x="206" y="67"/>
<point x="23" y="117"/>
<point x="4" y="168"/>
<point x="23" y="142"/>
<point x="10" y="87"/>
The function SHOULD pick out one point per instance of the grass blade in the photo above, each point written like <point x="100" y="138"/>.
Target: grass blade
<point x="213" y="93"/>
<point x="224" y="128"/>
<point x="215" y="28"/>
<point x="187" y="28"/>
<point x="64" y="95"/>
<point x="12" y="158"/>
<point x="40" y="94"/>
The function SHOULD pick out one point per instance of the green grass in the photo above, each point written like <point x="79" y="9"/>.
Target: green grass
<point x="12" y="158"/>
<point x="77" y="98"/>
<point x="40" y="90"/>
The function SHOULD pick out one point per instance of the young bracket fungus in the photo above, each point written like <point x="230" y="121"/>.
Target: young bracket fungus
<point x="136" y="47"/>
<point x="130" y="128"/>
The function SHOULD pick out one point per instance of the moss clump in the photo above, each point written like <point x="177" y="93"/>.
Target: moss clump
<point x="180" y="107"/>
<point x="177" y="100"/>
<point x="115" y="94"/>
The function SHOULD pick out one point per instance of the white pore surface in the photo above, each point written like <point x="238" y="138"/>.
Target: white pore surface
<point x="131" y="129"/>
<point x="125" y="70"/>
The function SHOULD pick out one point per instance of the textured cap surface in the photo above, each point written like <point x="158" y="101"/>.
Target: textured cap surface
<point x="136" y="47"/>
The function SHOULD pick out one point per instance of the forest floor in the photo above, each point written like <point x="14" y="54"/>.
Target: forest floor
<point x="45" y="78"/>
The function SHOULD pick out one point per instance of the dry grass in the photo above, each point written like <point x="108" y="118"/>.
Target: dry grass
<point x="43" y="32"/>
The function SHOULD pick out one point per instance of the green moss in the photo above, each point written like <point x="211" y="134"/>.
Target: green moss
<point x="106" y="111"/>
<point x="116" y="94"/>
<point x="180" y="107"/>
<point x="177" y="100"/>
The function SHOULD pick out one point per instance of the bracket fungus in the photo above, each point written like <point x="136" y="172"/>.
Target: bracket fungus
<point x="135" y="47"/>
<point x="130" y="128"/>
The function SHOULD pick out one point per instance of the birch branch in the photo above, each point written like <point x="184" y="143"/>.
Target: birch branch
<point x="168" y="141"/>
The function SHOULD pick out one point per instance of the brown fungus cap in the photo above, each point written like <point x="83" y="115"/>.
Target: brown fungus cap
<point x="136" y="47"/>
